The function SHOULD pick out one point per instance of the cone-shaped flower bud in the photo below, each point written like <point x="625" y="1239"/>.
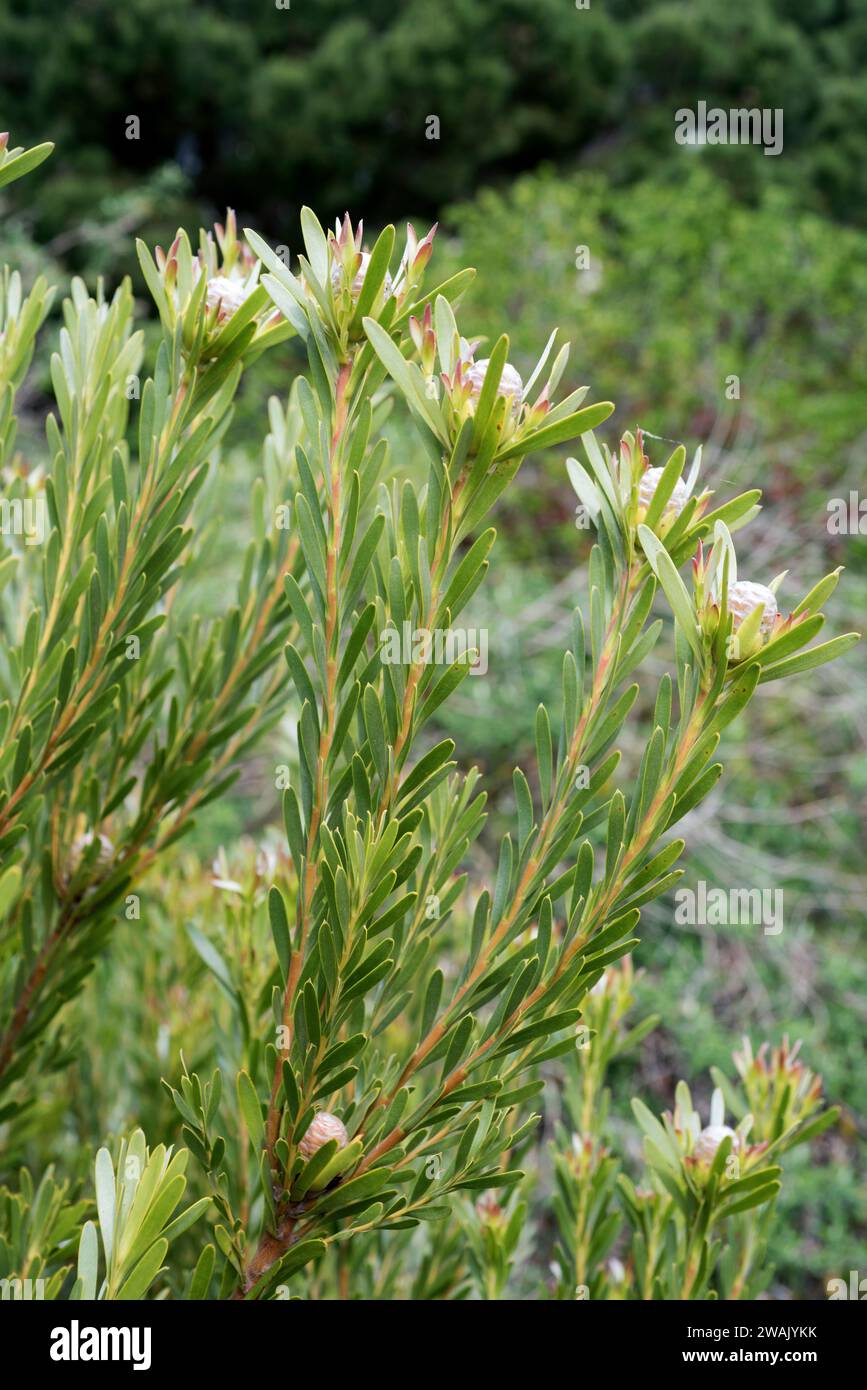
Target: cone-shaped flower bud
<point x="710" y="1139"/>
<point x="226" y="295"/>
<point x="488" y="1209"/>
<point x="745" y="596"/>
<point x="323" y="1127"/>
<point x="511" y="386"/>
<point x="81" y="849"/>
<point x="337" y="277"/>
<point x="647" y="487"/>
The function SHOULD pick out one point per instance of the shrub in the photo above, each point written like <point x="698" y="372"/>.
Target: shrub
<point x="374" y="1075"/>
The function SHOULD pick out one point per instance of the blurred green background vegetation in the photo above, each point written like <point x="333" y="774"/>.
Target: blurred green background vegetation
<point x="719" y="297"/>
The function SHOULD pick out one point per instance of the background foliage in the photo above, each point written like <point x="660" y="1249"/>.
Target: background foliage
<point x="332" y="99"/>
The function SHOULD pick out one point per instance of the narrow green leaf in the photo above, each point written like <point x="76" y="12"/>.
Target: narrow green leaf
<point x="251" y="1109"/>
